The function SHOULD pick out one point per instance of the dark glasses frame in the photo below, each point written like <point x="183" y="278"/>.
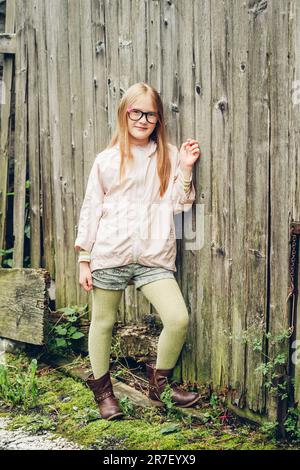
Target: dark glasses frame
<point x="143" y="113"/>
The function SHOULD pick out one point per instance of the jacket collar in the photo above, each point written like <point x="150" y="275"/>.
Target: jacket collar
<point x="149" y="149"/>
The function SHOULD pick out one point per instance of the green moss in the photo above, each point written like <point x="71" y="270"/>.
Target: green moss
<point x="33" y="423"/>
<point x="67" y="408"/>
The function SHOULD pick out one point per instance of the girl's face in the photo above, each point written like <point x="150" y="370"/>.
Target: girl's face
<point x="139" y="131"/>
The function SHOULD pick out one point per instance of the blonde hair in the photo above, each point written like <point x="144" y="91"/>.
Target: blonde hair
<point x="159" y="134"/>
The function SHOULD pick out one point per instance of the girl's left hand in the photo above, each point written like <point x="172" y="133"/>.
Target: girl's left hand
<point x="189" y="152"/>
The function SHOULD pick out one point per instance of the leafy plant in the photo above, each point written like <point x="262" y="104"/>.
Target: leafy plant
<point x="127" y="406"/>
<point x="19" y="389"/>
<point x="270" y="429"/>
<point x="213" y="401"/>
<point x="291" y="424"/>
<point x="7" y="259"/>
<point x="66" y="330"/>
<point x="273" y="366"/>
<point x="88" y="415"/>
<point x="116" y="349"/>
<point x="166" y="398"/>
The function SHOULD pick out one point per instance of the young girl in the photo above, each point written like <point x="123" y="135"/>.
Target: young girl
<point x="137" y="183"/>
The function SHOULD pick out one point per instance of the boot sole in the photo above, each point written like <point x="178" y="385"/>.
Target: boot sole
<point x="161" y="404"/>
<point x="189" y="404"/>
<point x="157" y="402"/>
<point x="114" y="416"/>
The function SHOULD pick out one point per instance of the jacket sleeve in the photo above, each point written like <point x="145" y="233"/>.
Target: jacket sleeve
<point x="183" y="194"/>
<point x="91" y="210"/>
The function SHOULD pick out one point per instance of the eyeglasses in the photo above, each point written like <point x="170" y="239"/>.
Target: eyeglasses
<point x="137" y="114"/>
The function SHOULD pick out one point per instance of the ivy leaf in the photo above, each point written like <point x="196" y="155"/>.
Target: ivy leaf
<point x="72" y="319"/>
<point x="61" y="330"/>
<point x="27" y="231"/>
<point x="280" y="359"/>
<point x="72" y="330"/>
<point x="67" y="310"/>
<point x="5" y="252"/>
<point x="77" y="335"/>
<point x="60" y="342"/>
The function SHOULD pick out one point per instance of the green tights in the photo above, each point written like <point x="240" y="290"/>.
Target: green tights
<point x="165" y="295"/>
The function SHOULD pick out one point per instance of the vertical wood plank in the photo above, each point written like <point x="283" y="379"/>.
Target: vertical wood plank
<point x="76" y="124"/>
<point x="112" y="61"/>
<point x="153" y="44"/>
<point x="139" y="40"/>
<point x="21" y="65"/>
<point x="221" y="171"/>
<point x="240" y="135"/>
<point x="169" y="48"/>
<point x="294" y="155"/>
<point x="202" y="285"/>
<point x="257" y="203"/>
<point x="125" y="45"/>
<point x="278" y="41"/>
<point x="33" y="136"/>
<point x="186" y="71"/>
<point x="101" y="134"/>
<point x="45" y="163"/>
<point x="5" y="109"/>
<point x="53" y="10"/>
<point x="66" y="180"/>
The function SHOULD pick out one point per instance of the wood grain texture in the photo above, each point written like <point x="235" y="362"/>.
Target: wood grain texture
<point x="294" y="153"/>
<point x="24" y="304"/>
<point x="5" y="108"/>
<point x="7" y="43"/>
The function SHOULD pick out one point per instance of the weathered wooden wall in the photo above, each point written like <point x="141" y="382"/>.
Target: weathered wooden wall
<point x="225" y="70"/>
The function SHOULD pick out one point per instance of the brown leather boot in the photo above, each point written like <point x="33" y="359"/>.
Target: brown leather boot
<point x="104" y="396"/>
<point x="158" y="379"/>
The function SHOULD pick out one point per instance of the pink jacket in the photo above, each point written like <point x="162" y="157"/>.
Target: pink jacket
<point x="131" y="223"/>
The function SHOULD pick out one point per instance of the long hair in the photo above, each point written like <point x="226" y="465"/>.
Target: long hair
<point x="159" y="134"/>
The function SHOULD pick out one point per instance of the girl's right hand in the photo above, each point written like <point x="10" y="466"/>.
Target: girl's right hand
<point x="85" y="276"/>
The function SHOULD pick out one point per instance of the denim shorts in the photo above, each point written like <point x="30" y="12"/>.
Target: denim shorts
<point x="118" y="278"/>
